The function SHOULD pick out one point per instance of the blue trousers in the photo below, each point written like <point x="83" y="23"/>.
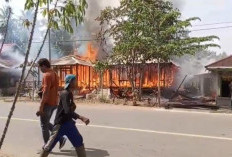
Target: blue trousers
<point x="70" y="130"/>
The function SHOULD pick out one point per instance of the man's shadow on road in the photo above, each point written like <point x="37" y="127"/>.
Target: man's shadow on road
<point x="90" y="152"/>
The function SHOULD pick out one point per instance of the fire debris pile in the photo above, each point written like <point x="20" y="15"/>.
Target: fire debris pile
<point x="181" y="99"/>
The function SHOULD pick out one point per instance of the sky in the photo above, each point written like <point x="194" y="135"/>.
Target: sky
<point x="210" y="11"/>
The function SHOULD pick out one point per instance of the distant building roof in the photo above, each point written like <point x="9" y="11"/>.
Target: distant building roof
<point x="71" y="60"/>
<point x="223" y="64"/>
<point x="11" y="56"/>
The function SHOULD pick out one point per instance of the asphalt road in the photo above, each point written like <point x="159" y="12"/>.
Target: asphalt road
<point x="119" y="131"/>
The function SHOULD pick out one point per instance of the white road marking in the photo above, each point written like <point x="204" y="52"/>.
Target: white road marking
<point x="138" y="130"/>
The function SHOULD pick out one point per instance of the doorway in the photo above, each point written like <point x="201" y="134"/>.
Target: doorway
<point x="225" y="89"/>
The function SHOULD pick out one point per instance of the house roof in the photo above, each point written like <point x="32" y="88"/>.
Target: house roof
<point x="71" y="60"/>
<point x="8" y="48"/>
<point x="223" y="64"/>
<point x="11" y="56"/>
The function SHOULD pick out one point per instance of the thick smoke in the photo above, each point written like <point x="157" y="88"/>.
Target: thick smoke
<point x="192" y="65"/>
<point x="90" y="28"/>
<point x="178" y="3"/>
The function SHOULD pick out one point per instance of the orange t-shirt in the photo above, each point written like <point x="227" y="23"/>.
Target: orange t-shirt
<point x="51" y="83"/>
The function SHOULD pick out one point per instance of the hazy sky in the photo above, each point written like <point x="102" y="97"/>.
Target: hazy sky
<point x="210" y="11"/>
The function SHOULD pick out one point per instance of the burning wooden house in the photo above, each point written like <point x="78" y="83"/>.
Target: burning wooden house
<point x="116" y="76"/>
<point x="76" y="65"/>
<point x="149" y="75"/>
<point x="221" y="77"/>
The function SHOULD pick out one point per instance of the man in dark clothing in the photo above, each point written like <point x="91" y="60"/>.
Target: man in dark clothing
<point x="64" y="123"/>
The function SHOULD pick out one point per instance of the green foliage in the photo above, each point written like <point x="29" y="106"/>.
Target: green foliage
<point x="151" y="29"/>
<point x="4" y="12"/>
<point x="148" y="30"/>
<point x="61" y="16"/>
<point x="27" y="23"/>
<point x="101" y="66"/>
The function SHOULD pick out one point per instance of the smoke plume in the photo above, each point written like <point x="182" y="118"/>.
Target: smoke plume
<point x="178" y="4"/>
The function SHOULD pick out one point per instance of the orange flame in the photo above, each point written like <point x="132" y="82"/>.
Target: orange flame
<point x="88" y="79"/>
<point x="91" y="53"/>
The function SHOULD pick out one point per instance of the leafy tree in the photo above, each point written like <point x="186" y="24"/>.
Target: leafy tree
<point x="23" y="72"/>
<point x="148" y="30"/>
<point x="100" y="67"/>
<point x="57" y="17"/>
<point x="5" y="22"/>
<point x="61" y="17"/>
<point x="17" y="33"/>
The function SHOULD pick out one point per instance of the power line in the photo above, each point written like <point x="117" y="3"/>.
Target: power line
<point x="209" y="24"/>
<point x="195" y="30"/>
<point x="67" y="40"/>
<point x="213" y="28"/>
<point x="79" y="40"/>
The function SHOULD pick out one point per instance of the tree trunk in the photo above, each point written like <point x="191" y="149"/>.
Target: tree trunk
<point x="159" y="82"/>
<point x="101" y="82"/>
<point x="133" y="80"/>
<point x="37" y="56"/>
<point x="141" y="82"/>
<point x="22" y="76"/>
<point x="7" y="23"/>
<point x="41" y="47"/>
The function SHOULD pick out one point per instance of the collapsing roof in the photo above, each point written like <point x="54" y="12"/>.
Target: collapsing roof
<point x="71" y="60"/>
<point x="223" y="64"/>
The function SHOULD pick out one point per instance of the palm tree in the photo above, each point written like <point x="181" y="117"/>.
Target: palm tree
<point x="22" y="76"/>
<point x="6" y="22"/>
<point x="4" y="12"/>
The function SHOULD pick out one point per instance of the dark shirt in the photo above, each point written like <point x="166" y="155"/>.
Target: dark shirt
<point x="64" y="110"/>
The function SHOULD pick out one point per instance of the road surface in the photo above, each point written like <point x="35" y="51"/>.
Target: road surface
<point x="121" y="131"/>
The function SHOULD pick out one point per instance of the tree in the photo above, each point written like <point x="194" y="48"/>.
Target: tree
<point x="21" y="78"/>
<point x="66" y="14"/>
<point x="17" y="33"/>
<point x="57" y="16"/>
<point x="100" y="67"/>
<point x="148" y="30"/>
<point x="5" y="23"/>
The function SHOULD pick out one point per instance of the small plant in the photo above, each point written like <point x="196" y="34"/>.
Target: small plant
<point x="104" y="100"/>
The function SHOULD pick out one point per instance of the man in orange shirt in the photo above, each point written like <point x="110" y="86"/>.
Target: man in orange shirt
<point x="49" y="102"/>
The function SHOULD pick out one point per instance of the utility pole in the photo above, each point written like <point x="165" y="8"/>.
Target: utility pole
<point x="49" y="35"/>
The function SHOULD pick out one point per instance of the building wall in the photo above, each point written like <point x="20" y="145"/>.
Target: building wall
<point x="8" y="80"/>
<point x="117" y="76"/>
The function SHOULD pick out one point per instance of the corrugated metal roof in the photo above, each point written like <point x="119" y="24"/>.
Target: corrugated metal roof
<point x="3" y="66"/>
<point x="10" y="56"/>
<point x="70" y="60"/>
<point x="6" y="62"/>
